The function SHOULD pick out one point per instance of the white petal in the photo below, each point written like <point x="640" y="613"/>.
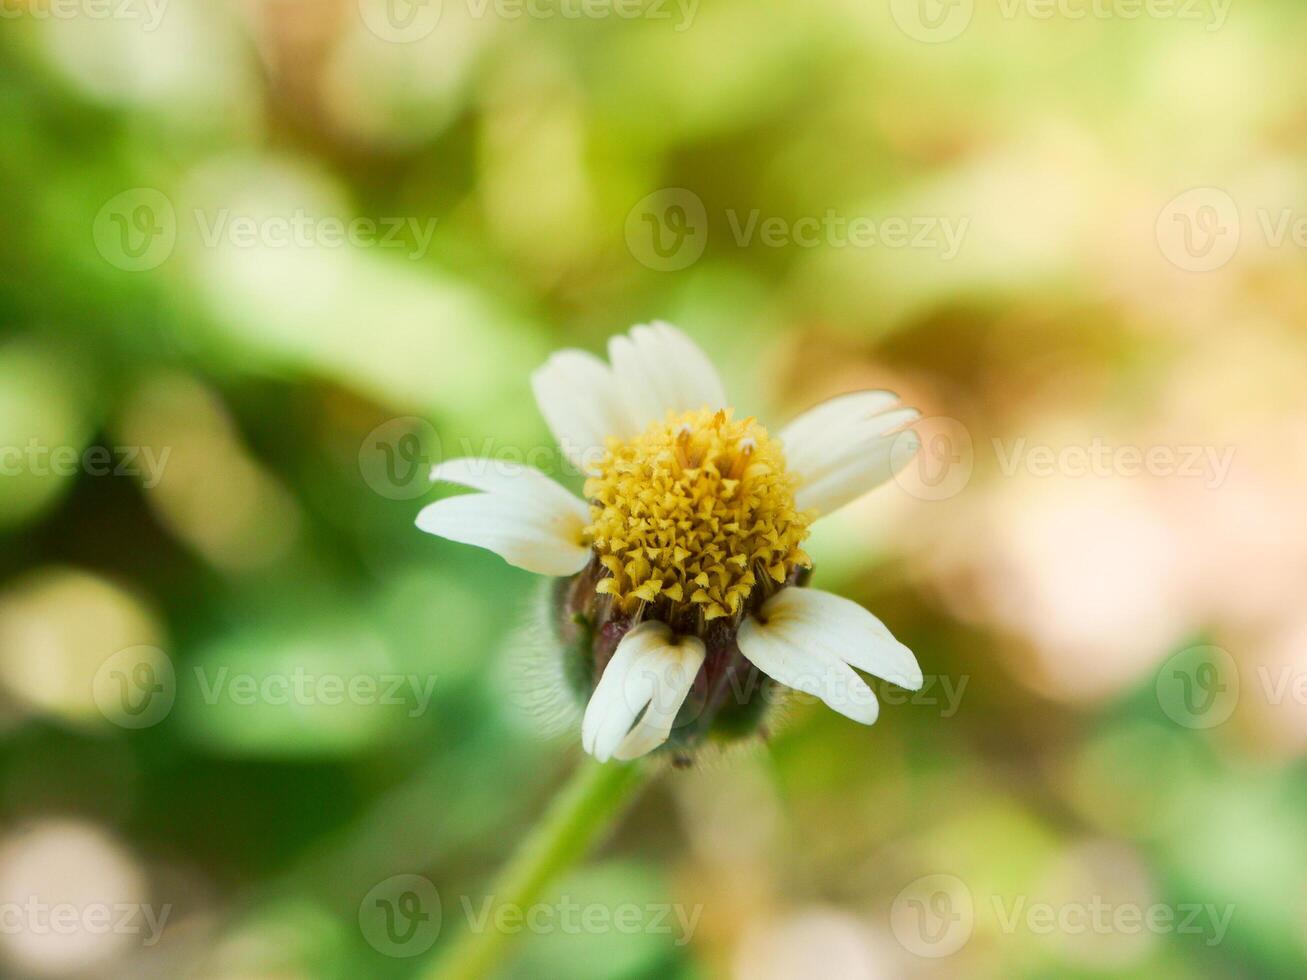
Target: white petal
<point x="578" y="396"/>
<point x="807" y="640"/>
<point x="651" y="671"/>
<point x="846" y="447"/>
<point x="676" y="677"/>
<point x="843" y="629"/>
<point x="659" y="370"/>
<point x="524" y="517"/>
<point x="509" y="479"/>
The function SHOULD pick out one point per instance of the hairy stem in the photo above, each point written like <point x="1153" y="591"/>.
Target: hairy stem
<point x="587" y="806"/>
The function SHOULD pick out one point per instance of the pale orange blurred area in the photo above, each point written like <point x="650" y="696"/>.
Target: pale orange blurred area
<point x="1094" y="626"/>
<point x="58" y="630"/>
<point x="202" y="482"/>
<point x="64" y="871"/>
<point x="827" y="942"/>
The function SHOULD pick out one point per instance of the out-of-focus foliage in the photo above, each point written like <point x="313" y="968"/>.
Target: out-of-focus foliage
<point x="262" y="262"/>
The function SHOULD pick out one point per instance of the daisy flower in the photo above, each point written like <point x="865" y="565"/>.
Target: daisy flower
<point x="681" y="580"/>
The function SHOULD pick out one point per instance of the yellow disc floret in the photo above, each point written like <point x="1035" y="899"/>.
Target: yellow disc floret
<point x="694" y="512"/>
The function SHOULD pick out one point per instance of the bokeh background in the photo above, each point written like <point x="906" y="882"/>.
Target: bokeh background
<point x="263" y="262"/>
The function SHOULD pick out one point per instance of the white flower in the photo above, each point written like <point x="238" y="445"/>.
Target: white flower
<point x="686" y="555"/>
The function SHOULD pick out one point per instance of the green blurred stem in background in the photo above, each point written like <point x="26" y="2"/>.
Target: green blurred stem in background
<point x="589" y="804"/>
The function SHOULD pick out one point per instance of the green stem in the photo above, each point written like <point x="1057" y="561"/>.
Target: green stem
<point x="587" y="805"/>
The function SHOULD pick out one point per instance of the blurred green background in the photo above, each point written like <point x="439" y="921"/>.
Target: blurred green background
<point x="262" y="262"/>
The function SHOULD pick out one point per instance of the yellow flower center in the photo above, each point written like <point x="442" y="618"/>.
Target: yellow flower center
<point x="694" y="512"/>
